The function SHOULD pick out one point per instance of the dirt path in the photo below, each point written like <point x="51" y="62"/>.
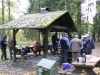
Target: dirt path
<point x="21" y="68"/>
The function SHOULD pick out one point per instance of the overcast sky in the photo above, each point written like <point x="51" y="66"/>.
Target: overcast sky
<point x="91" y="13"/>
<point x="23" y="5"/>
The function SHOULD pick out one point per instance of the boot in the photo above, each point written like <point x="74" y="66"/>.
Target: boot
<point x="39" y="53"/>
<point x="2" y="57"/>
<point x="5" y="57"/>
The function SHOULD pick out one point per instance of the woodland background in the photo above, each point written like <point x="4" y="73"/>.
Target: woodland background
<point x="74" y="7"/>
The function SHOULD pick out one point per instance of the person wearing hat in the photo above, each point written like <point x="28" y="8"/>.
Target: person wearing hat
<point x="87" y="45"/>
<point x="75" y="45"/>
<point x="3" y="47"/>
<point x="91" y="41"/>
<point x="82" y="39"/>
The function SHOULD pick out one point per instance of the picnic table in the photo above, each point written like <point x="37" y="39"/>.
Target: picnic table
<point x="91" y="62"/>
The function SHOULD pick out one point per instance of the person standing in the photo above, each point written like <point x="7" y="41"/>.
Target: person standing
<point x="55" y="43"/>
<point x="75" y="46"/>
<point x="65" y="46"/>
<point x="91" y="41"/>
<point x="82" y="48"/>
<point x="3" y="47"/>
<point x="87" y="45"/>
<point x="10" y="45"/>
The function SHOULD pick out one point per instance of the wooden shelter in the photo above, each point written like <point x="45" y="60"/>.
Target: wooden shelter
<point x="58" y="21"/>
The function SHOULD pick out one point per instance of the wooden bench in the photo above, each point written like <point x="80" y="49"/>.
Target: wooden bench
<point x="23" y="56"/>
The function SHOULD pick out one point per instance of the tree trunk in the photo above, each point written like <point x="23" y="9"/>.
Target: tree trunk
<point x="93" y="35"/>
<point x="8" y="10"/>
<point x="2" y="14"/>
<point x="8" y="31"/>
<point x="79" y="15"/>
<point x="38" y="38"/>
<point x="98" y="35"/>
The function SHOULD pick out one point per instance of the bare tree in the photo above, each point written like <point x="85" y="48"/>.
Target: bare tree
<point x="2" y="15"/>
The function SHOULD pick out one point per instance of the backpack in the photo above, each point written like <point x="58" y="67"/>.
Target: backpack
<point x="92" y="44"/>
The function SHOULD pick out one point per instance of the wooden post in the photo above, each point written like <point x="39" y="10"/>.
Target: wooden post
<point x="14" y="39"/>
<point x="45" y="41"/>
<point x="14" y="53"/>
<point x="38" y="36"/>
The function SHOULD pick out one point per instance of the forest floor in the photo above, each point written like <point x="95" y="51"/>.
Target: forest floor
<point x="22" y="67"/>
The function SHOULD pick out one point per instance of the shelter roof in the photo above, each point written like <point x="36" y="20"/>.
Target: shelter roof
<point x="43" y="20"/>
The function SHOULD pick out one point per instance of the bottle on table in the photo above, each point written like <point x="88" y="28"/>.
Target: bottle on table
<point x="83" y="58"/>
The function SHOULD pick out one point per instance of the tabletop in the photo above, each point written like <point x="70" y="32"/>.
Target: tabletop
<point x="91" y="61"/>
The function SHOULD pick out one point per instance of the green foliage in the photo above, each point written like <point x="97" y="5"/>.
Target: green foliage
<point x="30" y="34"/>
<point x="96" y="24"/>
<point x="98" y="6"/>
<point x="9" y="6"/>
<point x="31" y="6"/>
<point x="96" y="19"/>
<point x="12" y="6"/>
<point x="53" y="5"/>
<point x="80" y="29"/>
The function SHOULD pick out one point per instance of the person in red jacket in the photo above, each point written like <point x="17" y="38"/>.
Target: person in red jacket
<point x="36" y="48"/>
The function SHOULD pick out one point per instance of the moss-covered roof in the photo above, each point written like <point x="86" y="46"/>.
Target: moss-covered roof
<point x="37" y="20"/>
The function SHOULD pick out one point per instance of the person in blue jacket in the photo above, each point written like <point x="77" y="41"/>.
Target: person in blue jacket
<point x="88" y="44"/>
<point x="65" y="46"/>
<point x="91" y="41"/>
<point x="3" y="47"/>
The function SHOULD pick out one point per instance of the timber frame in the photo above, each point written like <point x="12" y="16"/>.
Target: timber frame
<point x="60" y="21"/>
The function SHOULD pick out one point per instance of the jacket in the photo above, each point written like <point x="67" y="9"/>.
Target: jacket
<point x="87" y="46"/>
<point x="3" y="42"/>
<point x="75" y="45"/>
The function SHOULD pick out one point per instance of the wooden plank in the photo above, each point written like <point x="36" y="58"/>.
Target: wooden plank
<point x="87" y="64"/>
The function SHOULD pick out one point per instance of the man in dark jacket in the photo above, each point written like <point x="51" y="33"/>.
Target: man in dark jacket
<point x="55" y="43"/>
<point x="3" y="47"/>
<point x="87" y="45"/>
<point x="91" y="41"/>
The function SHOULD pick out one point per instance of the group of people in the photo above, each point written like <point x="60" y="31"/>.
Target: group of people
<point x="75" y="45"/>
<point x="10" y="43"/>
<point x="56" y="42"/>
<point x="84" y="45"/>
<point x="3" y="45"/>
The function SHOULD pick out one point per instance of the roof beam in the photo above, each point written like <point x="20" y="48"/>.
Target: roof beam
<point x="59" y="27"/>
<point x="16" y="30"/>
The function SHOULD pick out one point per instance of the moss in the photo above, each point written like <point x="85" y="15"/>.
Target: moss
<point x="47" y="23"/>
